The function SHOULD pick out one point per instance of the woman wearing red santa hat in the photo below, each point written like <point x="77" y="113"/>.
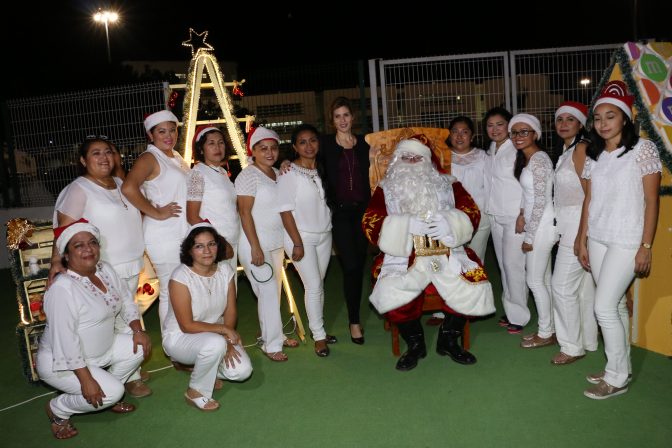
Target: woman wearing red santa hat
<point x="81" y="353"/>
<point x="157" y="186"/>
<point x="618" y="224"/>
<point x="210" y="193"/>
<point x="573" y="287"/>
<point x="260" y="248"/>
<point x="534" y="170"/>
<point x="96" y="196"/>
<point x="502" y="207"/>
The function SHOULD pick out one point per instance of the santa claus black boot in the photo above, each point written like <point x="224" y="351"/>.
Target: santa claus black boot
<point x="448" y="342"/>
<point x="415" y="339"/>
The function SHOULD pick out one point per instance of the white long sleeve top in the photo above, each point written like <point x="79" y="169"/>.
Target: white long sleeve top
<point x="536" y="180"/>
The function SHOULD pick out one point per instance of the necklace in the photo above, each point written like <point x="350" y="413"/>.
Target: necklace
<point x="311" y="173"/>
<point x="347" y="144"/>
<point x="217" y="170"/>
<point x="108" y="187"/>
<point x="350" y="168"/>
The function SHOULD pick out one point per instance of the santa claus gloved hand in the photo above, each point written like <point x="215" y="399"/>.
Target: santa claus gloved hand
<point x="417" y="226"/>
<point x="439" y="230"/>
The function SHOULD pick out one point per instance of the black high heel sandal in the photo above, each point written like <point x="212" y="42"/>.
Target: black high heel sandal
<point x="359" y="340"/>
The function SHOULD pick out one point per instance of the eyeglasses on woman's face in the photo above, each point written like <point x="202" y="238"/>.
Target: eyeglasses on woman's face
<point x="97" y="137"/>
<point x="523" y="133"/>
<point x="211" y="245"/>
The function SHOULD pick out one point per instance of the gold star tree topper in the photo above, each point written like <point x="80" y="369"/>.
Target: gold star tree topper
<point x="197" y="42"/>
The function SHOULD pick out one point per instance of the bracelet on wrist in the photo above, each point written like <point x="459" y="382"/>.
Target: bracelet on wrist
<point x="646" y="245"/>
<point x="298" y="245"/>
<point x="138" y="331"/>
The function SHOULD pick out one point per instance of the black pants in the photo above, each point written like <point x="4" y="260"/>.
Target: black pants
<point x="352" y="246"/>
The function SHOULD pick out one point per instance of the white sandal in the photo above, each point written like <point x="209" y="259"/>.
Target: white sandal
<point x="201" y="402"/>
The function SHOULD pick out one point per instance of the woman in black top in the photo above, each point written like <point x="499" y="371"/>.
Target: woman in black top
<point x="345" y="157"/>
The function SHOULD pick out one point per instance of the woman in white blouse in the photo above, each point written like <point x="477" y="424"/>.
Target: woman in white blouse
<point x="157" y="186"/>
<point x="210" y="193"/>
<point x="96" y="196"/>
<point x="502" y="207"/>
<point x="260" y="249"/>
<point x="573" y="287"/>
<point x="534" y="170"/>
<point x="618" y="224"/>
<point x="471" y="166"/>
<point x="201" y="321"/>
<point x="307" y="221"/>
<point x="80" y="352"/>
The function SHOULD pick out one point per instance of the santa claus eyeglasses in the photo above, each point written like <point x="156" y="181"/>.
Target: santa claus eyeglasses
<point x="411" y="158"/>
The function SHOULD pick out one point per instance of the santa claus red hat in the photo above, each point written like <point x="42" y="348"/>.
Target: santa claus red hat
<point x="258" y="134"/>
<point x="575" y="109"/>
<point x="616" y="93"/>
<point x="159" y="117"/>
<point x="201" y="131"/>
<point x="63" y="234"/>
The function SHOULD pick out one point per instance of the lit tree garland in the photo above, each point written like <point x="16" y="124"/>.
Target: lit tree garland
<point x="203" y="57"/>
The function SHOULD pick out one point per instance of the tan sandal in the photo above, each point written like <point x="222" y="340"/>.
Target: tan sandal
<point x="122" y="407"/>
<point x="276" y="356"/>
<point x="290" y="342"/>
<point x="61" y="428"/>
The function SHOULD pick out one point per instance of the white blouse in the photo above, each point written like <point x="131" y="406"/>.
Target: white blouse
<point x="568" y="198"/>
<point x="536" y="180"/>
<point x="504" y="191"/>
<point x="300" y="191"/>
<point x="119" y="222"/>
<point x="80" y="317"/>
<point x="472" y="169"/>
<point x="253" y="182"/>
<point x="208" y="296"/>
<point x="616" y="211"/>
<point x="169" y="186"/>
<point x="217" y="195"/>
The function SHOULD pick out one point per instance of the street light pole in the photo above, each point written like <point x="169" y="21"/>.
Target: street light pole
<point x="106" y="17"/>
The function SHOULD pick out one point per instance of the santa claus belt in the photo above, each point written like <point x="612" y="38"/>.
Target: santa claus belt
<point x="425" y="246"/>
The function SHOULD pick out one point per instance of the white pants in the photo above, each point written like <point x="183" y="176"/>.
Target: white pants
<point x="233" y="262"/>
<point x="110" y="370"/>
<point x="268" y="294"/>
<point x="511" y="260"/>
<point x="165" y="258"/>
<point x="613" y="269"/>
<point x="573" y="304"/>
<point x="120" y="326"/>
<point x="206" y="352"/>
<point x="312" y="268"/>
<point x="479" y="243"/>
<point x="538" y="276"/>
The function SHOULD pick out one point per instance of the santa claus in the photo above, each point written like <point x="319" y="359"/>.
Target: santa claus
<point x="420" y="219"/>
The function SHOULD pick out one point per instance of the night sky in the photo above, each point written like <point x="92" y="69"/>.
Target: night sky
<point x="54" y="46"/>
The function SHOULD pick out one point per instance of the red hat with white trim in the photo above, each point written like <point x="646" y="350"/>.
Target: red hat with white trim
<point x="63" y="234"/>
<point x="616" y="93"/>
<point x="575" y="109"/>
<point x="258" y="134"/>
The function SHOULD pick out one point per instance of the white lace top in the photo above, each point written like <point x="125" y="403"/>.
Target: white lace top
<point x="568" y="198"/>
<point x="472" y="170"/>
<point x="253" y="182"/>
<point x="536" y="180"/>
<point x="616" y="212"/>
<point x="504" y="192"/>
<point x="80" y="317"/>
<point x="119" y="222"/>
<point x="301" y="192"/>
<point x="217" y="195"/>
<point x="208" y="295"/>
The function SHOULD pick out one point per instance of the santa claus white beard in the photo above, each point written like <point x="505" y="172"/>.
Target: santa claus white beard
<point x="413" y="187"/>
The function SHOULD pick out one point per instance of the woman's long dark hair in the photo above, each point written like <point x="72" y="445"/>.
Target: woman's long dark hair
<point x="521" y="162"/>
<point x="629" y="138"/>
<point x="491" y="113"/>
<point x="318" y="162"/>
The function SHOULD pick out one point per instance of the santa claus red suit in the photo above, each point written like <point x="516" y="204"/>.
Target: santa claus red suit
<point x="420" y="219"/>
